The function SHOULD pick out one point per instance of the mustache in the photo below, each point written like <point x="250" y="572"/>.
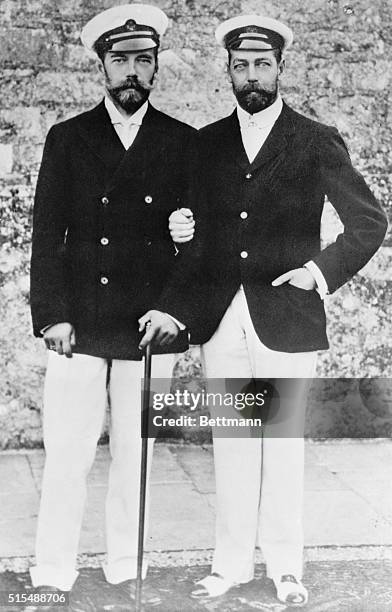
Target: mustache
<point x="134" y="83"/>
<point x="251" y="88"/>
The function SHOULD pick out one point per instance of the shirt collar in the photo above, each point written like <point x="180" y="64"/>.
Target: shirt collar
<point x="264" y="118"/>
<point x="116" y="117"/>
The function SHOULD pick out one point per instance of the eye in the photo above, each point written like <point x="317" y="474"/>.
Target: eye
<point x="239" y="67"/>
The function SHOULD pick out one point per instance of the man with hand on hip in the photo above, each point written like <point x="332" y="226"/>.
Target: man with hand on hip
<point x="102" y="256"/>
<point x="267" y="170"/>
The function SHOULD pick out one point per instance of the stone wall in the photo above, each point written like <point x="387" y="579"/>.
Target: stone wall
<point x="338" y="72"/>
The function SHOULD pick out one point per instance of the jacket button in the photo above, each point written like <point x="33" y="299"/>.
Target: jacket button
<point x="105" y="200"/>
<point x="149" y="242"/>
<point x="104" y="241"/>
<point x="104" y="280"/>
<point x="244" y="254"/>
<point x="248" y="176"/>
<point x="148" y="199"/>
<point x="244" y="215"/>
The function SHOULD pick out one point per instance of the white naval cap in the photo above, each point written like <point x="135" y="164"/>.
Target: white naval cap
<point x="128" y="27"/>
<point x="254" y="32"/>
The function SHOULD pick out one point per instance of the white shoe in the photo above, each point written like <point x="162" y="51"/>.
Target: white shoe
<point x="291" y="591"/>
<point x="211" y="586"/>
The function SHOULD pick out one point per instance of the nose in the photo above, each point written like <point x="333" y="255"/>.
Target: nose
<point x="130" y="67"/>
<point x="252" y="73"/>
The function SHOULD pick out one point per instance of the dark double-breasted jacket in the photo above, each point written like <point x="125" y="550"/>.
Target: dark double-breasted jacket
<point x="263" y="219"/>
<point x="102" y="254"/>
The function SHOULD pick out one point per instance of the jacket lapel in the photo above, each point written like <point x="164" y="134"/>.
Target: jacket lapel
<point x="274" y="149"/>
<point x="141" y="154"/>
<point x="234" y="137"/>
<point x="230" y="142"/>
<point x="97" y="131"/>
<point x="99" y="134"/>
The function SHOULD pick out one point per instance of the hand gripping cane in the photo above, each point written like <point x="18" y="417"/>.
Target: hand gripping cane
<point x="143" y="474"/>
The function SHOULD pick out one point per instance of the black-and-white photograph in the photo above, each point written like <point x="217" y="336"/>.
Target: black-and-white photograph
<point x="195" y="306"/>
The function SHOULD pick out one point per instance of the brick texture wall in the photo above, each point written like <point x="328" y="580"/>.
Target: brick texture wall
<point x="338" y="72"/>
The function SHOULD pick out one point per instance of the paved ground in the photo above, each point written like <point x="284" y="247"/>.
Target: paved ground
<point x="348" y="519"/>
<point x="361" y="586"/>
<point x="348" y="499"/>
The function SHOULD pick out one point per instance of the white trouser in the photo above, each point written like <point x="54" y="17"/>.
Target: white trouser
<point x="74" y="409"/>
<point x="259" y="483"/>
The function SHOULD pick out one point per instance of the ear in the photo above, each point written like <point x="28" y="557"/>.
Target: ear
<point x="282" y="66"/>
<point x="227" y="73"/>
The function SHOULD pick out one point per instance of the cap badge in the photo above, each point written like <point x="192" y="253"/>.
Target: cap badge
<point x="130" y="24"/>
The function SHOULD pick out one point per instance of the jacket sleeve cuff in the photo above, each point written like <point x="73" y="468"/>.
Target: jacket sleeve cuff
<point x="322" y="287"/>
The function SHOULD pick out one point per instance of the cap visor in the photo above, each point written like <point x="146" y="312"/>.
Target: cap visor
<point x="133" y="44"/>
<point x="253" y="45"/>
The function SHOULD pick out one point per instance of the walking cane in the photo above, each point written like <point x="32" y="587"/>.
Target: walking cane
<point x="143" y="475"/>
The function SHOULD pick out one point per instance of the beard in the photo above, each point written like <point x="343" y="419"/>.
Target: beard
<point x="254" y="98"/>
<point x="131" y="94"/>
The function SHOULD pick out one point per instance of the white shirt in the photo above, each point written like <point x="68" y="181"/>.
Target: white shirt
<point x="126" y="127"/>
<point x="255" y="130"/>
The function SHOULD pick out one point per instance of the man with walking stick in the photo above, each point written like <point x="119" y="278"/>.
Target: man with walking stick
<point x="102" y="256"/>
